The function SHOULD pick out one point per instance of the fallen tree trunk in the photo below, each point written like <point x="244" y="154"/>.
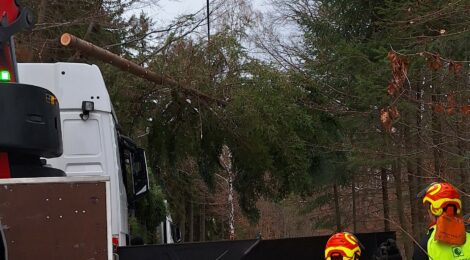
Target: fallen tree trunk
<point x="89" y="49"/>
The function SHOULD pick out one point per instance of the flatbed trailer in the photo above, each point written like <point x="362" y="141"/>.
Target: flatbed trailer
<point x="55" y="218"/>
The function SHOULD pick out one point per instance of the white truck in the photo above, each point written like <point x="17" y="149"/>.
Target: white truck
<point x="94" y="152"/>
<point x="89" y="148"/>
<point x="92" y="144"/>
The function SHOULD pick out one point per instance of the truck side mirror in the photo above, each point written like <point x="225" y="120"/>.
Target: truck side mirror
<point x="140" y="177"/>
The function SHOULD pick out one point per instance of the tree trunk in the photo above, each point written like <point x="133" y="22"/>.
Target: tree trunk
<point x="385" y="199"/>
<point x="463" y="149"/>
<point x="436" y="129"/>
<point x="411" y="180"/>
<point x="436" y="140"/>
<point x="191" y="222"/>
<point x="202" y="225"/>
<point x="353" y="192"/>
<point x="182" y="226"/>
<point x="225" y="159"/>
<point x="396" y="169"/>
<point x="337" y="211"/>
<point x="463" y="173"/>
<point x="87" y="34"/>
<point x="232" y="208"/>
<point x="420" y="184"/>
<point x="222" y="230"/>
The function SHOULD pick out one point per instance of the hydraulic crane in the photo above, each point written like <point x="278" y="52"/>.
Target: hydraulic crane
<point x="12" y="19"/>
<point x="9" y="12"/>
<point x="29" y="115"/>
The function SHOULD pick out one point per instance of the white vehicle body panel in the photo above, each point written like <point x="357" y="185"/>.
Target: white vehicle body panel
<point x="91" y="146"/>
<point x="167" y="230"/>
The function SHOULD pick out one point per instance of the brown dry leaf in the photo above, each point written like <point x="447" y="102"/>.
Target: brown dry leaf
<point x="434" y="61"/>
<point x="404" y="65"/>
<point x="458" y="68"/>
<point x="399" y="65"/>
<point x="392" y="56"/>
<point x="386" y="120"/>
<point x="450" y="109"/>
<point x="439" y="108"/>
<point x="455" y="67"/>
<point x="392" y="89"/>
<point x="393" y="112"/>
<point x="465" y="110"/>
<point x="402" y="71"/>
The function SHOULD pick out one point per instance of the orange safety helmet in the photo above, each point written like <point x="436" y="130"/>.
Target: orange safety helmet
<point x="344" y="245"/>
<point x="439" y="196"/>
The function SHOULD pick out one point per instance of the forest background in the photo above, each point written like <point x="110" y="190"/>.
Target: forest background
<point x="319" y="116"/>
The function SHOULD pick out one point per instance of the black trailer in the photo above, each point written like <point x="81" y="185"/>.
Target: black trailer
<point x="288" y="248"/>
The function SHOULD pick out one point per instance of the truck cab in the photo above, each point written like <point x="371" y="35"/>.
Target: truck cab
<point x="92" y="143"/>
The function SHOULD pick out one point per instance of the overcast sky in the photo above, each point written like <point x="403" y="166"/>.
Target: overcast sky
<point x="173" y="8"/>
<point x="167" y="10"/>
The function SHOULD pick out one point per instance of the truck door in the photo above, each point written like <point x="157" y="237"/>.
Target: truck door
<point x="139" y="172"/>
<point x="134" y="168"/>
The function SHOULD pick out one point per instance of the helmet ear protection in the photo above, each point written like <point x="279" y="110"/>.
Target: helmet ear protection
<point x="340" y="257"/>
<point x="336" y="257"/>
